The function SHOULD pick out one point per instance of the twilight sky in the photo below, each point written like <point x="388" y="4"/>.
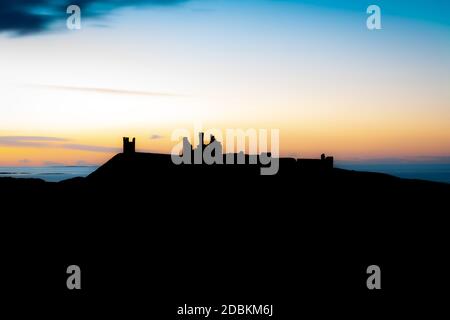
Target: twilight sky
<point x="309" y="68"/>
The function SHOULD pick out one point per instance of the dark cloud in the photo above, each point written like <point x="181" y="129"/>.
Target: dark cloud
<point x="31" y="16"/>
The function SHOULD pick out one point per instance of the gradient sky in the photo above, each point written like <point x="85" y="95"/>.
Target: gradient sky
<point x="309" y="68"/>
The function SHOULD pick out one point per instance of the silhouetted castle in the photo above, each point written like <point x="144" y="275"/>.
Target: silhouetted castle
<point x="216" y="145"/>
<point x="129" y="147"/>
<point x="324" y="163"/>
<point x="316" y="164"/>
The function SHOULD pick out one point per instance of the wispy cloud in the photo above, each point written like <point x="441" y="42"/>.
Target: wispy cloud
<point x="110" y="91"/>
<point x="91" y="148"/>
<point x="24" y="161"/>
<point x="51" y="142"/>
<point x="32" y="138"/>
<point x="156" y="137"/>
<point x="24" y="17"/>
<point x="83" y="163"/>
<point x="53" y="164"/>
<point x="29" y="141"/>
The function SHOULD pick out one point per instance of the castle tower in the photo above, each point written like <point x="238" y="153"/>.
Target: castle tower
<point x="129" y="147"/>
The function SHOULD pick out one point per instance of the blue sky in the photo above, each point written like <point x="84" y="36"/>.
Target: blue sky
<point x="30" y="16"/>
<point x="144" y="68"/>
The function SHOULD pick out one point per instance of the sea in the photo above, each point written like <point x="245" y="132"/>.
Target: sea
<point x="48" y="173"/>
<point x="431" y="172"/>
<point x="438" y="172"/>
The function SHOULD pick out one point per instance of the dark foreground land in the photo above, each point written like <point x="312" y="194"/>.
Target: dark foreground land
<point x="150" y="236"/>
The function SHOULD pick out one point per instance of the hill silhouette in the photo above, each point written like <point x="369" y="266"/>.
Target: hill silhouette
<point x="221" y="232"/>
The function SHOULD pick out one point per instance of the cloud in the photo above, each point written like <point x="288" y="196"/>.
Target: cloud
<point x="86" y="147"/>
<point x="156" y="137"/>
<point x="32" y="138"/>
<point x="29" y="141"/>
<point x="53" y="164"/>
<point x="23" y="17"/>
<point x="111" y="91"/>
<point x="51" y="142"/>
<point x="83" y="163"/>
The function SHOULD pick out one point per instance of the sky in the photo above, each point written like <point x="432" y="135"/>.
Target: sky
<point x="144" y="68"/>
